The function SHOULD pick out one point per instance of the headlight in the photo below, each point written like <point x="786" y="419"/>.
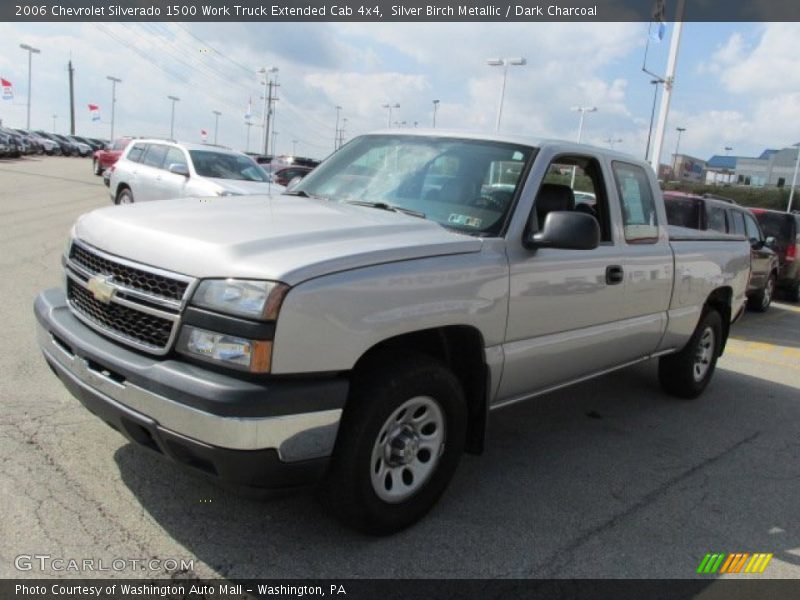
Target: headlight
<point x="253" y="299"/>
<point x="239" y="353"/>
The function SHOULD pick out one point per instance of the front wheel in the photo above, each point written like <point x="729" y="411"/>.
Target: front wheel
<point x="762" y="300"/>
<point x="401" y="437"/>
<point x="97" y="169"/>
<point x="125" y="197"/>
<point x="686" y="373"/>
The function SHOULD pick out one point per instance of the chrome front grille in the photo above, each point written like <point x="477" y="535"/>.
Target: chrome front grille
<point x="141" y="305"/>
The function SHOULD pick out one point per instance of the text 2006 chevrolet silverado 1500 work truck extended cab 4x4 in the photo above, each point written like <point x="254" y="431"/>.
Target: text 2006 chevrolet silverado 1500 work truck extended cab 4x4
<point x="359" y="328"/>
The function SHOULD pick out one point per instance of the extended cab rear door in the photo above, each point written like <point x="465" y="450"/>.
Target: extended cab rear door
<point x="568" y="308"/>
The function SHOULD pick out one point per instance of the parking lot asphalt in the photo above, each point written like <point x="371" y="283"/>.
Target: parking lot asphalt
<point x="611" y="478"/>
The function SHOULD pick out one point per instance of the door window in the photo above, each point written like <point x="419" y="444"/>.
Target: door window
<point x="175" y="156"/>
<point x="737" y="220"/>
<point x="753" y="232"/>
<point x="638" y="207"/>
<point x="136" y="153"/>
<point x="716" y="219"/>
<point x="154" y="157"/>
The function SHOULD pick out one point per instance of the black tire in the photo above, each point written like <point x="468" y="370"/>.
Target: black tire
<point x="96" y="168"/>
<point x="761" y="300"/>
<point x="677" y="372"/>
<point x="125" y="196"/>
<point x="378" y="391"/>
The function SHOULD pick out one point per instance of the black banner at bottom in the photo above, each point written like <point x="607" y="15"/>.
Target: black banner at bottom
<point x="396" y="589"/>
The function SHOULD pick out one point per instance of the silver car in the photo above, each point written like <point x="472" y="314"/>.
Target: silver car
<point x="160" y="170"/>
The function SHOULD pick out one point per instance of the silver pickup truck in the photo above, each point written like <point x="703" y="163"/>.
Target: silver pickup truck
<point x="358" y="329"/>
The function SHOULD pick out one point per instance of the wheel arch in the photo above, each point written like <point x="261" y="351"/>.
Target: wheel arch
<point x="461" y="349"/>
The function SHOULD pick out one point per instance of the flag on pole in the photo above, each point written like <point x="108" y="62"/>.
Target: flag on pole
<point x="94" y="111"/>
<point x="203" y="134"/>
<point x="659" y="12"/>
<point x="249" y="113"/>
<point x="8" y="93"/>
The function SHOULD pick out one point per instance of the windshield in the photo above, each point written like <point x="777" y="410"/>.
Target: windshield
<point x="466" y="185"/>
<point x="220" y="165"/>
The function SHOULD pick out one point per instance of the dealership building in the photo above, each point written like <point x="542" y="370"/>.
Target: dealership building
<point x="773" y="168"/>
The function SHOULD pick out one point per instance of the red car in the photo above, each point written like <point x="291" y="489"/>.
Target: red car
<point x="103" y="159"/>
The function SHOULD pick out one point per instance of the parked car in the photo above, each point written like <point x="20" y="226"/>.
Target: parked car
<point x="13" y="149"/>
<point x="48" y="146"/>
<point x="722" y="215"/>
<point x="23" y="145"/>
<point x="158" y="170"/>
<point x="5" y="148"/>
<point x="108" y="155"/>
<point x="359" y="328"/>
<point x="67" y="147"/>
<point x="785" y="229"/>
<point x="284" y="176"/>
<point x="83" y="148"/>
<point x="93" y="145"/>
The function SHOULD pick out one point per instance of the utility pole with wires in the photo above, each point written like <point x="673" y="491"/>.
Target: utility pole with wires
<point x="336" y="142"/>
<point x="71" y="98"/>
<point x="268" y="85"/>
<point x="274" y="135"/>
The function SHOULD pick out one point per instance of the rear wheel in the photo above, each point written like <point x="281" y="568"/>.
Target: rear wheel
<point x="96" y="167"/>
<point x="399" y="443"/>
<point x="686" y="373"/>
<point x="762" y="300"/>
<point x="125" y="196"/>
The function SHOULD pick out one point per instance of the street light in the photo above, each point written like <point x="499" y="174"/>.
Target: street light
<point x="216" y="124"/>
<point x="336" y="131"/>
<point x="680" y="130"/>
<point x="505" y="63"/>
<point x="31" y="51"/>
<point x="114" y="81"/>
<point x="655" y="83"/>
<point x="794" y="179"/>
<point x="435" y="108"/>
<point x="267" y="104"/>
<point x="390" y="107"/>
<point x="172" y="117"/>
<point x="728" y="150"/>
<point x="583" y="110"/>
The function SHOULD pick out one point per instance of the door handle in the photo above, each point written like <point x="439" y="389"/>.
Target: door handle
<point x="614" y="274"/>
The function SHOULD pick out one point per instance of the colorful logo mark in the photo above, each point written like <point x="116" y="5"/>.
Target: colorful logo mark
<point x="739" y="562"/>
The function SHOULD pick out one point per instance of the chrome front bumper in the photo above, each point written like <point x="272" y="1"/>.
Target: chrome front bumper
<point x="93" y="367"/>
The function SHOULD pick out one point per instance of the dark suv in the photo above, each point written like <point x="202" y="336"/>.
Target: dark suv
<point x="715" y="214"/>
<point x="785" y="228"/>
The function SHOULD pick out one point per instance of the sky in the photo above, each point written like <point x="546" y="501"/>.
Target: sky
<point x="737" y="84"/>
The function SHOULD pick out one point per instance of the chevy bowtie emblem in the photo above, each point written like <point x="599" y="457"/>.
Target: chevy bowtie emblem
<point x="101" y="289"/>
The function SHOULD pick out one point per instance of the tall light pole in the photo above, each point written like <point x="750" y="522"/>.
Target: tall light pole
<point x="654" y="83"/>
<point x="390" y="107"/>
<point x="294" y="147"/>
<point x="267" y="103"/>
<point x="435" y="108"/>
<point x="669" y="83"/>
<point x="54" y="123"/>
<point x="336" y="131"/>
<point x="794" y="179"/>
<point x="274" y="135"/>
<point x="247" y="144"/>
<point x="680" y="130"/>
<point x="172" y="116"/>
<point x="505" y="63"/>
<point x="583" y="110"/>
<point x="114" y="81"/>
<point x="216" y="124"/>
<point x="31" y="51"/>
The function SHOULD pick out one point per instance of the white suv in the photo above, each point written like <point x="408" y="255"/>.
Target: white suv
<point x="159" y="170"/>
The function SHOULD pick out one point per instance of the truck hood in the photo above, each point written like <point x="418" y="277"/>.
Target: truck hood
<point x="282" y="238"/>
<point x="246" y="188"/>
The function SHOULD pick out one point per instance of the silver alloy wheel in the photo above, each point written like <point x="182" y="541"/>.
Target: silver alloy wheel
<point x="125" y="198"/>
<point x="766" y="297"/>
<point x="407" y="449"/>
<point x="704" y="354"/>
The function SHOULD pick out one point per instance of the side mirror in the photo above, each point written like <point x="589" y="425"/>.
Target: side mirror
<point x="293" y="182"/>
<point x="770" y="242"/>
<point x="566" y="230"/>
<point x="179" y="169"/>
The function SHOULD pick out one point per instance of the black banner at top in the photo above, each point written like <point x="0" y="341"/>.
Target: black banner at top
<point x="400" y="10"/>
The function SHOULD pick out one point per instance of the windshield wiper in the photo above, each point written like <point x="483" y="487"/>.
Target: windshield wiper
<point x="389" y="207"/>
